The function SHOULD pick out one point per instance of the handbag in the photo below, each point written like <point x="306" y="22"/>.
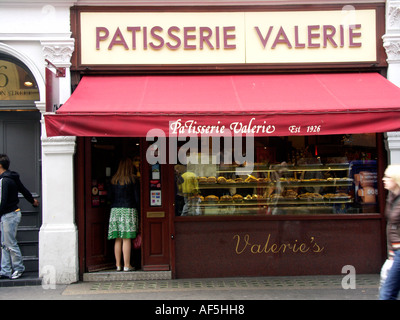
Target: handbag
<point x="137" y="242"/>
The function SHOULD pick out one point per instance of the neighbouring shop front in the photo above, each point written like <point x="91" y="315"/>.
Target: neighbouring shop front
<point x="257" y="133"/>
<point x="20" y="140"/>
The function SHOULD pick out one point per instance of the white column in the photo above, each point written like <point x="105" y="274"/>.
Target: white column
<point x="391" y="42"/>
<point x="58" y="236"/>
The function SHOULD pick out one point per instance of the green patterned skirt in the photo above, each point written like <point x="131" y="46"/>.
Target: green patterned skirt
<point x="123" y="223"/>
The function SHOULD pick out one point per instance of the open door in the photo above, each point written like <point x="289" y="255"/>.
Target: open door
<point x="20" y="140"/>
<point x="102" y="156"/>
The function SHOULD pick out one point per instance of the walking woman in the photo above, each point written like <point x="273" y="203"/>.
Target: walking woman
<point x="391" y="287"/>
<point x="123" y="224"/>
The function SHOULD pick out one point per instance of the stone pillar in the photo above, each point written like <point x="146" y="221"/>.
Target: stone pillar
<point x="58" y="236"/>
<point x="391" y="42"/>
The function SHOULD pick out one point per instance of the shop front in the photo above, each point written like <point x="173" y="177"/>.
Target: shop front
<point x="258" y="136"/>
<point x="20" y="130"/>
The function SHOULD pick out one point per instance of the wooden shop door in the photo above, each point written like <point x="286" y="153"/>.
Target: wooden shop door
<point x="157" y="217"/>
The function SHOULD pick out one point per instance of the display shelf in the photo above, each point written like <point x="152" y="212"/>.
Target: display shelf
<point x="274" y="188"/>
<point x="290" y="168"/>
<point x="293" y="184"/>
<point x="273" y="202"/>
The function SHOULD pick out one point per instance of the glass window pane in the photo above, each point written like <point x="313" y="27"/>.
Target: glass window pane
<point x="16" y="82"/>
<point x="312" y="175"/>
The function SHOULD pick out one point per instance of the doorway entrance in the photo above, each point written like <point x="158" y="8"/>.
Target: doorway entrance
<point x="100" y="157"/>
<point x="20" y="140"/>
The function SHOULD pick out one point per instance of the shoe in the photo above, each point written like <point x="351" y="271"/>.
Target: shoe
<point x="16" y="275"/>
<point x="127" y="269"/>
<point x="119" y="268"/>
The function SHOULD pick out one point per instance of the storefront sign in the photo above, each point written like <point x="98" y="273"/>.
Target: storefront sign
<point x="244" y="244"/>
<point x="117" y="38"/>
<point x="190" y="127"/>
<point x="236" y="128"/>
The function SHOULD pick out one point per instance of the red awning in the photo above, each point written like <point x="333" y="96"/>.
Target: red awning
<point x="280" y="105"/>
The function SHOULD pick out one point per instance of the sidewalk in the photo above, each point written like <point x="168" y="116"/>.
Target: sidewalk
<point x="249" y="288"/>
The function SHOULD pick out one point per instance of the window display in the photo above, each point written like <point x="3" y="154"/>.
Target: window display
<point x="289" y="176"/>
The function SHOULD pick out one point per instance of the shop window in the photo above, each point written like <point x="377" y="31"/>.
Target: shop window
<point x="16" y="81"/>
<point x="300" y="175"/>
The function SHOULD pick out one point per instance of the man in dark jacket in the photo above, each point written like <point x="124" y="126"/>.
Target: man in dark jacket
<point x="10" y="216"/>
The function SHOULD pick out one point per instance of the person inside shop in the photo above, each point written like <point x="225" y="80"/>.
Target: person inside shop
<point x="12" y="265"/>
<point x="123" y="224"/>
<point x="190" y="191"/>
<point x="391" y="287"/>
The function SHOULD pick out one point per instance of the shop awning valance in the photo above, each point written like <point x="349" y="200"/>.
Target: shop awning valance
<point x="263" y="105"/>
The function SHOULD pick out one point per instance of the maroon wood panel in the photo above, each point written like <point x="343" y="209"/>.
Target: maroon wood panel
<point x="99" y="252"/>
<point x="276" y="248"/>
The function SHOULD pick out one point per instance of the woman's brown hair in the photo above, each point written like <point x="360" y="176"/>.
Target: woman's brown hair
<point x="125" y="173"/>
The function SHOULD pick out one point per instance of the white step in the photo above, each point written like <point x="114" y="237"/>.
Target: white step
<point x="112" y="275"/>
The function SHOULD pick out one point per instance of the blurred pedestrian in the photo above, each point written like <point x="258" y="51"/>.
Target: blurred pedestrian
<point x="391" y="286"/>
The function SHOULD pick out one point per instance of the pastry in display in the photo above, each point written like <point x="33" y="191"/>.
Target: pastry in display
<point x="238" y="180"/>
<point x="230" y="181"/>
<point x="202" y="179"/>
<point x="336" y="195"/>
<point x="212" y="198"/>
<point x="226" y="198"/>
<point x="237" y="197"/>
<point x="248" y="197"/>
<point x="221" y="180"/>
<point x="276" y="196"/>
<point x="251" y="178"/>
<point x="211" y="179"/>
<point x="257" y="197"/>
<point x="290" y="194"/>
<point x="310" y="195"/>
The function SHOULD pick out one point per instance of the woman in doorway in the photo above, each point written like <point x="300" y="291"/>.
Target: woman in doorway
<point x="124" y="217"/>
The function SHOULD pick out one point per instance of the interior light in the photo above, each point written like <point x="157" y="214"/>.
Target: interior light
<point x="28" y="81"/>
